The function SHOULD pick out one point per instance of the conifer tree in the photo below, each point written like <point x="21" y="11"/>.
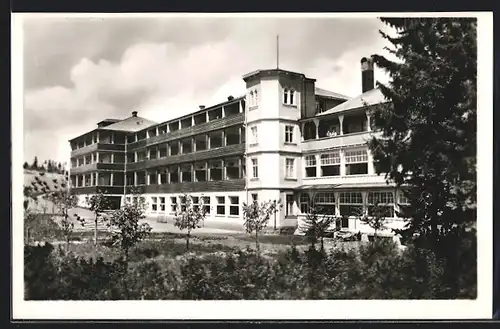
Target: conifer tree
<point x="428" y="142"/>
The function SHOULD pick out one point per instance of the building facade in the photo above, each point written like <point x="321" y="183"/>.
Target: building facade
<point x="284" y="140"/>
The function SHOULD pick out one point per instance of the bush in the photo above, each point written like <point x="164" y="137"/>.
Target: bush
<point x="377" y="270"/>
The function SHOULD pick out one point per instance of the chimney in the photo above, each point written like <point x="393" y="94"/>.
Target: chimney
<point x="230" y="98"/>
<point x="134" y="113"/>
<point x="202" y="107"/>
<point x="367" y="76"/>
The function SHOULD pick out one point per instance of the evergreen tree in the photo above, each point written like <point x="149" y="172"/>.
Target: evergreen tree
<point x="428" y="141"/>
<point x="34" y="166"/>
<point x="26" y="165"/>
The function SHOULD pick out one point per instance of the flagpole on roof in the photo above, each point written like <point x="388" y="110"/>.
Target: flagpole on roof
<point x="277" y="51"/>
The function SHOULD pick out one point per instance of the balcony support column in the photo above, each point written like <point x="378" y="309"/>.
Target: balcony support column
<point x="368" y="121"/>
<point x="111" y="176"/>
<point x="316" y="124"/>
<point x="341" y="121"/>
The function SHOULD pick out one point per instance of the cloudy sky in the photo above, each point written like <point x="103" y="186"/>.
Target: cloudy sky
<point x="78" y="71"/>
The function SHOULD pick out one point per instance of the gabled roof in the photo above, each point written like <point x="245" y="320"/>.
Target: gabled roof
<point x="371" y="97"/>
<point x="330" y="94"/>
<point x="133" y="123"/>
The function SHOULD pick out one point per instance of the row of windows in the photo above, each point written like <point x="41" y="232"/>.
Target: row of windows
<point x="351" y="203"/>
<point x="178" y="203"/>
<point x="356" y="163"/>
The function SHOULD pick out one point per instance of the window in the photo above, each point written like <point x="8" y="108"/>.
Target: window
<point x="154" y="203"/>
<point x="289" y="170"/>
<point x="173" y="204"/>
<point x="174" y="148"/>
<point x="310" y="166"/>
<point x="289" y="205"/>
<point x="152" y="178"/>
<point x="232" y="168"/>
<point x="182" y="202"/>
<point x="206" y="204"/>
<point x="200" y="171"/>
<point x="215" y="170"/>
<point x="330" y="164"/>
<point x="173" y="171"/>
<point x="403" y="199"/>
<point x="163" y="176"/>
<point x="186" y="173"/>
<point x="162" y="204"/>
<point x="255" y="168"/>
<point x="195" y="202"/>
<point x="221" y="206"/>
<point x="215" y="139"/>
<point x="163" y="150"/>
<point x="356" y="162"/>
<point x="289" y="96"/>
<point x="384" y="201"/>
<point x="350" y="203"/>
<point x="325" y="202"/>
<point x="289" y="134"/>
<point x="254" y="138"/>
<point x="304" y="203"/>
<point x="234" y="207"/>
<point x="253" y="99"/>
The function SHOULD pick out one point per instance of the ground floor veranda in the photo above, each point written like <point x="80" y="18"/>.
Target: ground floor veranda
<point x="347" y="203"/>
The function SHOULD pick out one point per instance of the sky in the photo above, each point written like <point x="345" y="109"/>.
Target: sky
<point x="81" y="70"/>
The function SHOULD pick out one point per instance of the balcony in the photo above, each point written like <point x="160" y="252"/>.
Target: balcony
<point x="97" y="189"/>
<point x="97" y="147"/>
<point x="325" y="143"/>
<point x="202" y="128"/>
<point x="208" y="186"/>
<point x="225" y="151"/>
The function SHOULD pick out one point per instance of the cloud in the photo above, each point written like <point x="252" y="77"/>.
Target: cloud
<point x="80" y="71"/>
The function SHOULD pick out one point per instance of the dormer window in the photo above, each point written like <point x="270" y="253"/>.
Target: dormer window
<point x="289" y="96"/>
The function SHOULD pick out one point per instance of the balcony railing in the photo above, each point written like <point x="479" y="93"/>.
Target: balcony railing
<point x="225" y="151"/>
<point x="325" y="143"/>
<point x="208" y="186"/>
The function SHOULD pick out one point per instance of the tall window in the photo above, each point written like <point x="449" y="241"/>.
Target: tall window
<point x="173" y="172"/>
<point x="154" y="203"/>
<point x="234" y="207"/>
<point x="402" y="199"/>
<point x="288" y="134"/>
<point x="325" y="202"/>
<point x="289" y="96"/>
<point x="196" y="203"/>
<point x="350" y="203"/>
<point x="310" y="166"/>
<point x="215" y="170"/>
<point x="289" y="205"/>
<point x="221" y="205"/>
<point x="255" y="168"/>
<point x="304" y="203"/>
<point x="356" y="162"/>
<point x="206" y="204"/>
<point x="330" y="164"/>
<point x="173" y="204"/>
<point x="162" y="204"/>
<point x="182" y="202"/>
<point x="254" y="139"/>
<point x="290" y="170"/>
<point x="385" y="200"/>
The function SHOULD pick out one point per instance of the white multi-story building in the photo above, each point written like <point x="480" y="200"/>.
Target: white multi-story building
<point x="284" y="140"/>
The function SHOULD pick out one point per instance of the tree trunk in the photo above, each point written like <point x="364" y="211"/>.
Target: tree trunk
<point x="257" y="241"/>
<point x="95" y="232"/>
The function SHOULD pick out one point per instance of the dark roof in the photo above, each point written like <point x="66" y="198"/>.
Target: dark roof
<point x="271" y="72"/>
<point x="371" y="97"/>
<point x="132" y="124"/>
<point x="330" y="94"/>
